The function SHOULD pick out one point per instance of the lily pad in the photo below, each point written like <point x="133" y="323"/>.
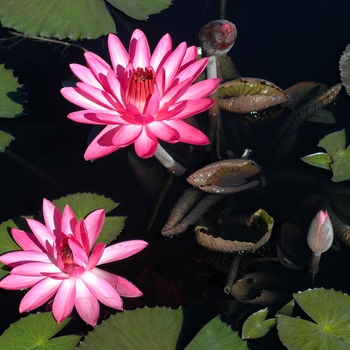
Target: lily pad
<point x="217" y="335"/>
<point x="35" y="332"/>
<point x="144" y="329"/>
<point x="344" y="66"/>
<point x="330" y="326"/>
<point x="5" y="140"/>
<point x="11" y="94"/>
<point x="319" y="160"/>
<point x="256" y="325"/>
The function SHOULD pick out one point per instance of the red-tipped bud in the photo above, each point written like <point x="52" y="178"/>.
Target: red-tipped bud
<point x="217" y="37"/>
<point x="320" y="235"/>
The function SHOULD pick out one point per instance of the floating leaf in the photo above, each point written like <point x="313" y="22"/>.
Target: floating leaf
<point x="330" y="326"/>
<point x="217" y="335"/>
<point x="344" y="66"/>
<point x="256" y="325"/>
<point x="140" y="9"/>
<point x="323" y="116"/>
<point x="287" y="309"/>
<point x="5" y="140"/>
<point x="341" y="167"/>
<point x="319" y="160"/>
<point x="260" y="221"/>
<point x="11" y="94"/>
<point x="144" y="329"/>
<point x="246" y="95"/>
<point x="35" y="331"/>
<point x="62" y="19"/>
<point x="334" y="143"/>
<point x="226" y="176"/>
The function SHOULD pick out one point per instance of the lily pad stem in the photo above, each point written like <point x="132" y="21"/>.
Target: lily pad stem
<point x="315" y="260"/>
<point x="168" y="161"/>
<point x="232" y="273"/>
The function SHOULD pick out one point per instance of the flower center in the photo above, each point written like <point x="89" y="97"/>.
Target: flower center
<point x="141" y="87"/>
<point x="67" y="257"/>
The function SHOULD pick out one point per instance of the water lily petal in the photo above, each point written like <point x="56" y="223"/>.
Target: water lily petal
<point x="39" y="294"/>
<point x="200" y="90"/>
<point x="85" y="75"/>
<point x="16" y="258"/>
<point x="52" y="216"/>
<point x="193" y="71"/>
<point x="102" y="290"/>
<point x="146" y="144"/>
<point x="94" y="223"/>
<point x="99" y="67"/>
<point x="86" y="304"/>
<point x="41" y="232"/>
<point x="161" y="52"/>
<point x="126" y="135"/>
<point x="68" y="221"/>
<point x="96" y="255"/>
<point x="189" y="58"/>
<point x="121" y="285"/>
<point x="188" y="133"/>
<point x="117" y="52"/>
<point x="38" y="269"/>
<point x="15" y="282"/>
<point x="64" y="300"/>
<point x="164" y="132"/>
<point x="27" y="241"/>
<point x="79" y="254"/>
<point x="194" y="107"/>
<point x="139" y="49"/>
<point x="122" y="250"/>
<point x="100" y="96"/>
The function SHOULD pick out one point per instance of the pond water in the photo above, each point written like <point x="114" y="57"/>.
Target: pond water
<point x="283" y="42"/>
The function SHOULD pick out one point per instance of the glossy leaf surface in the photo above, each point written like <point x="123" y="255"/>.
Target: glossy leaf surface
<point x="256" y="325"/>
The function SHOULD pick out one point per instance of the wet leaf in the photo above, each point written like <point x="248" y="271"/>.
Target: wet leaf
<point x="323" y="116"/>
<point x="330" y="326"/>
<point x="35" y="332"/>
<point x="140" y="9"/>
<point x="256" y="325"/>
<point x="226" y="176"/>
<point x="344" y="66"/>
<point x="287" y="309"/>
<point x="319" y="160"/>
<point x="334" y="143"/>
<point x="216" y="335"/>
<point x="246" y="95"/>
<point x="11" y="94"/>
<point x="5" y="140"/>
<point x="140" y="329"/>
<point x="341" y="168"/>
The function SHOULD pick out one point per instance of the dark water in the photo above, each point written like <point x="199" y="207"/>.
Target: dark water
<point x="283" y="42"/>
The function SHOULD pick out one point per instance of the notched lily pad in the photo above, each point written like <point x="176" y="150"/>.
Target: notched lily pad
<point x="261" y="227"/>
<point x="5" y="140"/>
<point x="226" y="176"/>
<point x="11" y="94"/>
<point x="329" y="327"/>
<point x="247" y="95"/>
<point x="256" y="325"/>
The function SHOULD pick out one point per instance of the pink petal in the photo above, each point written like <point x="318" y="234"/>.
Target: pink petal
<point x="172" y="112"/>
<point x="194" y="107"/>
<point x="27" y="241"/>
<point x="97" y="117"/>
<point x="188" y="134"/>
<point x="152" y="106"/>
<point x="116" y="89"/>
<point x="79" y="253"/>
<point x="86" y="304"/>
<point x="122" y="250"/>
<point x="161" y="52"/>
<point x="117" y="52"/>
<point x="81" y="236"/>
<point x="139" y="50"/>
<point x="94" y="223"/>
<point x="41" y="232"/>
<point x="16" y="282"/>
<point x="146" y="144"/>
<point x="38" y="269"/>
<point x="52" y="217"/>
<point x="126" y="135"/>
<point x="85" y="75"/>
<point x="96" y="149"/>
<point x="163" y="131"/>
<point x="64" y="300"/>
<point x="96" y="255"/>
<point x="68" y="221"/>
<point x="99" y="67"/>
<point x="16" y="258"/>
<point x="175" y="93"/>
<point x="190" y="57"/>
<point x="192" y="71"/>
<point x="102" y="290"/>
<point x="120" y="284"/>
<point x="39" y="294"/>
<point x="200" y="90"/>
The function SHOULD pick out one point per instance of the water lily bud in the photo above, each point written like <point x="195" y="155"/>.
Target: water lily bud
<point x="217" y="37"/>
<point x="320" y="235"/>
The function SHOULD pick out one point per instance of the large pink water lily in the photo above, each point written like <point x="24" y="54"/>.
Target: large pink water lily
<point x="143" y="97"/>
<point x="56" y="261"/>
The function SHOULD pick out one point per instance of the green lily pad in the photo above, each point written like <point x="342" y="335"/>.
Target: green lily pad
<point x="140" y="9"/>
<point x="330" y="326"/>
<point x="319" y="160"/>
<point x="140" y="329"/>
<point x="11" y="94"/>
<point x="35" y="331"/>
<point x="323" y="116"/>
<point x="5" y="140"/>
<point x="334" y="143"/>
<point x="256" y="325"/>
<point x="217" y="335"/>
<point x="341" y="167"/>
<point x="287" y="309"/>
<point x="78" y="19"/>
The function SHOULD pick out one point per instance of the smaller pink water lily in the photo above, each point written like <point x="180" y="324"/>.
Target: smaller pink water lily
<point x="56" y="261"/>
<point x="143" y="97"/>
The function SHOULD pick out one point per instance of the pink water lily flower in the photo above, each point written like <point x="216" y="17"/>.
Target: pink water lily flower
<point x="56" y="262"/>
<point x="143" y="97"/>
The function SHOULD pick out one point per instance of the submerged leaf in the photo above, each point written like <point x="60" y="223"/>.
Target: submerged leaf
<point x="11" y="94"/>
<point x="35" y="332"/>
